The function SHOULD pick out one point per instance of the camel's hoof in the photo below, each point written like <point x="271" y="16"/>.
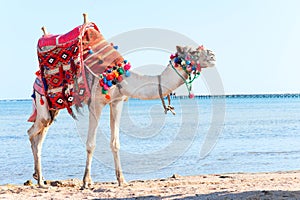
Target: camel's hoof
<point x="35" y="176"/>
<point x="123" y="183"/>
<point x="87" y="186"/>
<point x="42" y="186"/>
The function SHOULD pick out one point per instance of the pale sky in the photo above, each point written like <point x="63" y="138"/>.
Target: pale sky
<point x="256" y="42"/>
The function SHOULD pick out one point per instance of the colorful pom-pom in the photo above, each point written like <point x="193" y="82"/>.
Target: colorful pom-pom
<point x="104" y="91"/>
<point x="127" y="66"/>
<point x="107" y="96"/>
<point x="188" y="62"/>
<point x="109" y="83"/>
<point x="127" y="73"/>
<point x="125" y="61"/>
<point x="101" y="82"/>
<point x="116" y="47"/>
<point x="104" y="80"/>
<point x="176" y="60"/>
<point x="172" y="56"/>
<point x="110" y="77"/>
<point x="91" y="51"/>
<point x="120" y="78"/>
<point x="105" y="87"/>
<point x="116" y="74"/>
<point x="121" y="71"/>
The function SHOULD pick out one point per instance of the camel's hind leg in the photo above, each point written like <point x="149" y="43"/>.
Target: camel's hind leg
<point x="37" y="134"/>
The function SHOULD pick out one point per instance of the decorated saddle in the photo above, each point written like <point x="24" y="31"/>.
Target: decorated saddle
<point x="69" y="62"/>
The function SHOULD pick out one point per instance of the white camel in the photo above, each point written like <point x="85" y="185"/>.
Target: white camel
<point x="181" y="66"/>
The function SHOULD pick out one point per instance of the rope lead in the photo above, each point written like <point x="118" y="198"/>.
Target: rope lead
<point x="169" y="107"/>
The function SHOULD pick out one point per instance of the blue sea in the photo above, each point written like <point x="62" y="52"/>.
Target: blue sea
<point x="252" y="133"/>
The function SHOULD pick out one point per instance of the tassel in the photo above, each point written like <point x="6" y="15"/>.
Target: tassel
<point x="33" y="94"/>
<point x="41" y="100"/>
<point x="45" y="84"/>
<point x="70" y="111"/>
<point x="38" y="73"/>
<point x="191" y="95"/>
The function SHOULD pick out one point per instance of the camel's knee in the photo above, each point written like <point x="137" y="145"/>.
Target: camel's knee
<point x="115" y="145"/>
<point x="34" y="130"/>
<point x="90" y="147"/>
<point x="30" y="130"/>
<point x="46" y="121"/>
<point x="38" y="126"/>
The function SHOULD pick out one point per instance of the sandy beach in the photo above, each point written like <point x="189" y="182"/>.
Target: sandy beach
<point x="275" y="185"/>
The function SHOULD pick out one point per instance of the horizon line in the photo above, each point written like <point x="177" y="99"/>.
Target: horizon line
<point x="202" y="96"/>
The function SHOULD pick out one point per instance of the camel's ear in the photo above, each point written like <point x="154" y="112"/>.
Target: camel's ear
<point x="187" y="49"/>
<point x="179" y="49"/>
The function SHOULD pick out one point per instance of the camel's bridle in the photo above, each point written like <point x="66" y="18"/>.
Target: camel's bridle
<point x="192" y="70"/>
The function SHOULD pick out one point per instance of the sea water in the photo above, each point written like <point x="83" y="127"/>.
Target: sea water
<point x="257" y="134"/>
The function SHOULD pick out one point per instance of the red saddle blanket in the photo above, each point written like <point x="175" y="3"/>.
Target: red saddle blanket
<point x="61" y="77"/>
<point x="63" y="64"/>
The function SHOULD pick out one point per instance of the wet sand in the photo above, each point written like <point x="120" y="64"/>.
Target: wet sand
<point x="273" y="185"/>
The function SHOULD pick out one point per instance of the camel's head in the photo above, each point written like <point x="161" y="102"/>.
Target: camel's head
<point x="201" y="56"/>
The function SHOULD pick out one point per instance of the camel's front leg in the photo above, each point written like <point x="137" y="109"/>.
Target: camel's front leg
<point x="115" y="115"/>
<point x="94" y="116"/>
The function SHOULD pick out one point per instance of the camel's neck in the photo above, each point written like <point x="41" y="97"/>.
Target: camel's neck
<point x="147" y="87"/>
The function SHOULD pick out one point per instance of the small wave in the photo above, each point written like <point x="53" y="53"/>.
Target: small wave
<point x="274" y="152"/>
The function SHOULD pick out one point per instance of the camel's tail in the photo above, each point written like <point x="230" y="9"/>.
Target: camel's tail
<point x="32" y="117"/>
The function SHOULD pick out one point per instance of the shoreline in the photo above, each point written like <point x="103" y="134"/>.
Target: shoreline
<point x="267" y="185"/>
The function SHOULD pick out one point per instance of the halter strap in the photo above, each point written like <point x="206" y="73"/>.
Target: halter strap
<point x="188" y="84"/>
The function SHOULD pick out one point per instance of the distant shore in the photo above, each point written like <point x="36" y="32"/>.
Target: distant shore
<point x="271" y="95"/>
<point x="272" y="185"/>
